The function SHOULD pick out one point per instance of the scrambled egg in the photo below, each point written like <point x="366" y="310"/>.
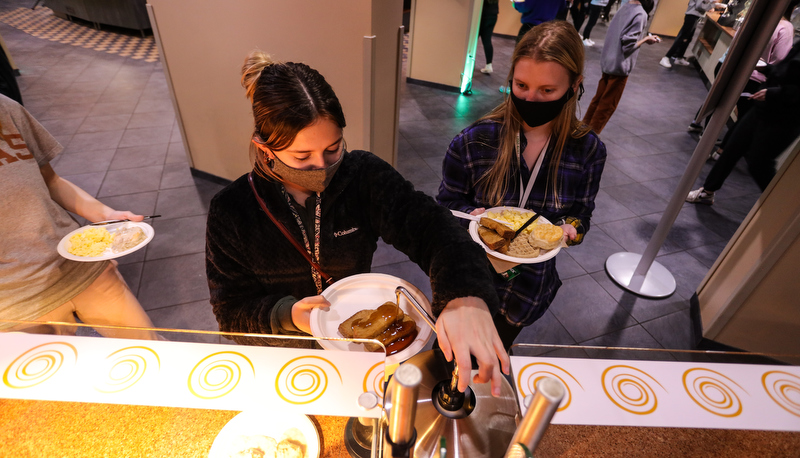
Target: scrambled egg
<point x="513" y="219"/>
<point x="91" y="242"/>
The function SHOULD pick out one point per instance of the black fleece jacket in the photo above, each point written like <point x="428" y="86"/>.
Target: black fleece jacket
<point x="251" y="266"/>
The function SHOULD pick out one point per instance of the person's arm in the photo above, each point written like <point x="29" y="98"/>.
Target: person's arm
<point x="787" y="92"/>
<point x="523" y="6"/>
<point x="649" y="39"/>
<point x="463" y="291"/>
<point x="578" y="218"/>
<point x="465" y="328"/>
<point x="78" y="201"/>
<point x="629" y="37"/>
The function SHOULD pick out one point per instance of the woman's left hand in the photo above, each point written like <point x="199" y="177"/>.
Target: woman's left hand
<point x="569" y="231"/>
<point x="301" y="311"/>
<point x="760" y="95"/>
<point x="116" y="214"/>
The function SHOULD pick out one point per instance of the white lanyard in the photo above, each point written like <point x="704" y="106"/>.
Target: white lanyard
<point x="524" y="199"/>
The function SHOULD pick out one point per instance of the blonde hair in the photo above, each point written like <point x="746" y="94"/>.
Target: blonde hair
<point x="554" y="41"/>
<point x="287" y="97"/>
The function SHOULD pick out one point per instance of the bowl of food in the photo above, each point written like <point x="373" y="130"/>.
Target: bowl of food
<point x="257" y="434"/>
<point x="496" y="233"/>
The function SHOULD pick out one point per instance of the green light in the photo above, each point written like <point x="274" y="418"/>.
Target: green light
<point x="469" y="64"/>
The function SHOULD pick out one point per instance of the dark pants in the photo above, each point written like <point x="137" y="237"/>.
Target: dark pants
<point x="508" y="332"/>
<point x="760" y="140"/>
<point x="607" y="9"/>
<point x="523" y="30"/>
<point x="485" y="31"/>
<point x="562" y="12"/>
<point x="8" y="81"/>
<point x="743" y="105"/>
<point x="594" y="13"/>
<point x="578" y="11"/>
<point x="678" y="48"/>
<point x="605" y="101"/>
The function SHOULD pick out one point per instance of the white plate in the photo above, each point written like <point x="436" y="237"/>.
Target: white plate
<point x="64" y="244"/>
<point x="361" y="292"/>
<point x="265" y="423"/>
<point x="473" y="231"/>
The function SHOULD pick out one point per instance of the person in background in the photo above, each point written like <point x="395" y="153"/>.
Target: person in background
<point x="595" y="8"/>
<point x="777" y="49"/>
<point x="623" y="40"/>
<point x="328" y="208"/>
<point x="605" y="16"/>
<point x="763" y="133"/>
<point x="492" y="162"/>
<point x="694" y="11"/>
<point x="36" y="283"/>
<point x="491" y="8"/>
<point x="578" y="11"/>
<point x="535" y="12"/>
<point x="8" y="81"/>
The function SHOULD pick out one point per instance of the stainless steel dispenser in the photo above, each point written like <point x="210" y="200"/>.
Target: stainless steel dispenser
<point x="400" y="405"/>
<point x="473" y="423"/>
<point x="543" y="406"/>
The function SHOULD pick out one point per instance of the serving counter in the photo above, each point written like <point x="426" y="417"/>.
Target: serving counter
<point x="712" y="42"/>
<point x="85" y="396"/>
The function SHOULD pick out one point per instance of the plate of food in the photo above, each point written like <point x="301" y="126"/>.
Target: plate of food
<point x="100" y="243"/>
<point x="364" y="306"/>
<point x="263" y="434"/>
<point x="540" y="241"/>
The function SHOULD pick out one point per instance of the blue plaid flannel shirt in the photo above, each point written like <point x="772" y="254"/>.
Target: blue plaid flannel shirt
<point x="525" y="298"/>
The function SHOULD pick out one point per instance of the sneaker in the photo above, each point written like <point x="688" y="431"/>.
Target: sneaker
<point x="694" y="127"/>
<point x="664" y="62"/>
<point x="588" y="42"/>
<point x="715" y="154"/>
<point x="682" y="62"/>
<point x="700" y="196"/>
<point x="487" y="69"/>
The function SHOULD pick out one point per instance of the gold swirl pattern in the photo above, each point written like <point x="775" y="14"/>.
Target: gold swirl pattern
<point x="708" y="390"/>
<point x="218" y="374"/>
<point x="373" y="380"/>
<point x="301" y="382"/>
<point x="784" y="389"/>
<point x="128" y="366"/>
<point x="38" y="364"/>
<point x="628" y="389"/>
<point x="536" y="371"/>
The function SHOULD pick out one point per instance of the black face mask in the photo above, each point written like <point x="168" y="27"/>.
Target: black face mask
<point x="537" y="113"/>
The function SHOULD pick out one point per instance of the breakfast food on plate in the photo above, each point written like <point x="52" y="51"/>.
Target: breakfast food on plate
<point x="501" y="229"/>
<point x="368" y="324"/>
<point x="537" y="237"/>
<point x="520" y="247"/>
<point x="292" y="445"/>
<point x="256" y="446"/>
<point x="92" y="241"/>
<point x="127" y="237"/>
<point x="388" y="325"/>
<point x="492" y="239"/>
<point x="545" y="236"/>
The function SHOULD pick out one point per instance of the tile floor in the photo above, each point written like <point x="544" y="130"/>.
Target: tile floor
<point x="122" y="144"/>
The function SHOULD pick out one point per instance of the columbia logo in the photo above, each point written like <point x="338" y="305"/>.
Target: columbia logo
<point x="348" y="231"/>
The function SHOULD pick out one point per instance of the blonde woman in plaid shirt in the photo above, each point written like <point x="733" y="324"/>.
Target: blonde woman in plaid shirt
<point x="492" y="162"/>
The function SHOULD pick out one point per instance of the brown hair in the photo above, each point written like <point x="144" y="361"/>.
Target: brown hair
<point x="287" y="97"/>
<point x="554" y="41"/>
